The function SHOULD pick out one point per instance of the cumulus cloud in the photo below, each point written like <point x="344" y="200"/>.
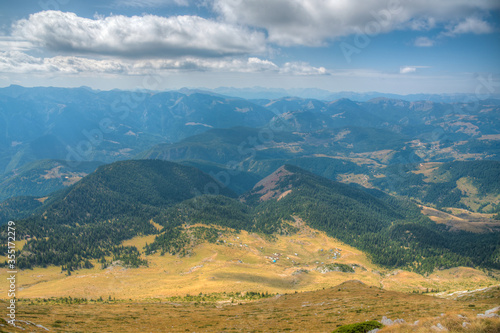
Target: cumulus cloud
<point x="302" y="68"/>
<point x="472" y="25"/>
<point x="424" y="42"/>
<point x="138" y="36"/>
<point x="20" y="63"/>
<point x="223" y="65"/>
<point x="312" y="22"/>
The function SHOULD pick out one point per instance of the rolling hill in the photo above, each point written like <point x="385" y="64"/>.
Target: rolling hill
<point x="122" y="188"/>
<point x="81" y="124"/>
<point x="391" y="230"/>
<point x="114" y="203"/>
<point x="42" y="177"/>
<point x="119" y="200"/>
<point x="472" y="185"/>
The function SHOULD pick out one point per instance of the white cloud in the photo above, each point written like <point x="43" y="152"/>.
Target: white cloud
<point x="138" y="36"/>
<point x="14" y="44"/>
<point x="472" y="25"/>
<point x="313" y="22"/>
<point x="19" y="62"/>
<point x="407" y="69"/>
<point x="302" y="68"/>
<point x="410" y="69"/>
<point x="424" y="42"/>
<point x="249" y="65"/>
<point x="22" y="63"/>
<point x="425" y="23"/>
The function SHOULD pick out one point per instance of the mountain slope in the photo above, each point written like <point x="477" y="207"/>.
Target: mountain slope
<point x="223" y="146"/>
<point x="473" y="185"/>
<point x="392" y="231"/>
<point x="43" y="177"/>
<point x="17" y="208"/>
<point x="127" y="188"/>
<point x="116" y="202"/>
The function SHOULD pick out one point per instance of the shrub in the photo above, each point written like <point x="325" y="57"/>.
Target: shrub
<point x="359" y="327"/>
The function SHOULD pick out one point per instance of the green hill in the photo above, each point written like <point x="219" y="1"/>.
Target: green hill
<point x="222" y="146"/>
<point x="42" y="177"/>
<point x="91" y="219"/>
<point x="392" y="231"/>
<point x="129" y="188"/>
<point x="18" y="208"/>
<point x="116" y="202"/>
<point x="473" y="185"/>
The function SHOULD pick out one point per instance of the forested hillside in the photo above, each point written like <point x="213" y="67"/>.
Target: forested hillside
<point x="116" y="202"/>
<point x="391" y="230"/>
<point x="41" y="178"/>
<point x="471" y="185"/>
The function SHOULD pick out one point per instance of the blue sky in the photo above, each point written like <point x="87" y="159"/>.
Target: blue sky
<point x="392" y="46"/>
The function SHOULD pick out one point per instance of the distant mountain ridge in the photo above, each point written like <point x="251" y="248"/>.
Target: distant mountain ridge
<point x="80" y="124"/>
<point x="86" y="125"/>
<point x="321" y="94"/>
<point x="235" y="140"/>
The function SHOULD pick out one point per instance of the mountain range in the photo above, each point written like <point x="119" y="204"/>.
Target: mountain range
<point x="89" y="220"/>
<point x="80" y="124"/>
<point x="84" y="171"/>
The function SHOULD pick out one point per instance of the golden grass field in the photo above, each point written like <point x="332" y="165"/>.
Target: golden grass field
<point x="462" y="219"/>
<point x="144" y="304"/>
<point x="317" y="311"/>
<point x="241" y="264"/>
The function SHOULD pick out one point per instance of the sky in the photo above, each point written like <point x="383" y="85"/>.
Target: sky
<point x="392" y="46"/>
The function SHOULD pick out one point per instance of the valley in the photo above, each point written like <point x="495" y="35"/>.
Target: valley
<point x="461" y="219"/>
<point x="215" y="280"/>
<point x="287" y="215"/>
<point x="242" y="262"/>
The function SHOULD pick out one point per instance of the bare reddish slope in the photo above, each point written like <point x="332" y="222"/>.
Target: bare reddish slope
<point x="267" y="188"/>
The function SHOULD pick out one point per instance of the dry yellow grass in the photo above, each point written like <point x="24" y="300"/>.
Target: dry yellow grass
<point x="490" y="137"/>
<point x="243" y="263"/>
<point x="354" y="159"/>
<point x="427" y="170"/>
<point x="381" y="156"/>
<point x="42" y="200"/>
<point x="462" y="219"/>
<point x="360" y="179"/>
<point x="317" y="311"/>
<point x="451" y="322"/>
<point x="18" y="245"/>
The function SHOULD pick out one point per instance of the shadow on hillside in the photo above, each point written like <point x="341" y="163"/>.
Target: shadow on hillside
<point x="262" y="280"/>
